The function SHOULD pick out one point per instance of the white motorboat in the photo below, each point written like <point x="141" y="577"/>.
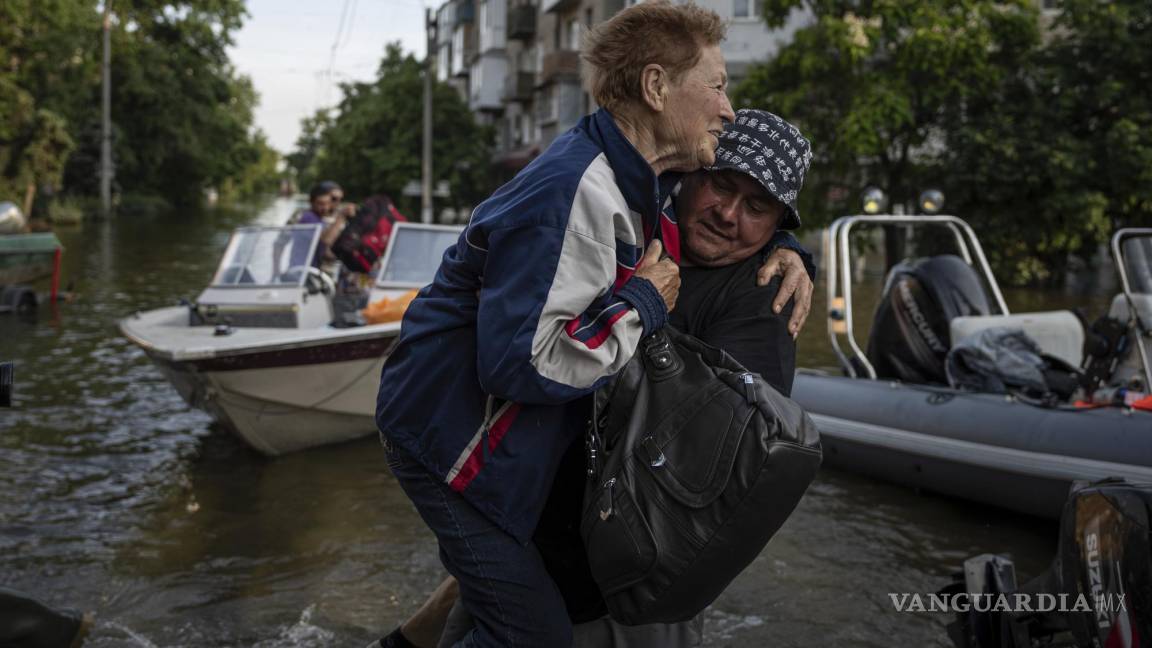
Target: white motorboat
<point x="258" y="349"/>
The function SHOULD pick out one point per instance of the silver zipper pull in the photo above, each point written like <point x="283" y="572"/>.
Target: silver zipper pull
<point x="749" y="383"/>
<point x="606" y="513"/>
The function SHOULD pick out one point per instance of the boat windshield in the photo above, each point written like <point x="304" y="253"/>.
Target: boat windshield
<point x="1137" y="254"/>
<point x="268" y="256"/>
<point x="414" y="254"/>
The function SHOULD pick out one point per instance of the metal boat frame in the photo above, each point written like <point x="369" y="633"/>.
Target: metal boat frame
<point x="1142" y="329"/>
<point x="839" y="273"/>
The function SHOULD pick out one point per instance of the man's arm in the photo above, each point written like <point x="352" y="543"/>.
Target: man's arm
<point x="790" y="261"/>
<point x="784" y="240"/>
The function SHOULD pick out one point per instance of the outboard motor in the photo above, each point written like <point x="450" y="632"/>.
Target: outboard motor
<point x="910" y="336"/>
<point x="1097" y="594"/>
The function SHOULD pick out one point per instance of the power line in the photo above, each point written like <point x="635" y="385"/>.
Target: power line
<point x="344" y="12"/>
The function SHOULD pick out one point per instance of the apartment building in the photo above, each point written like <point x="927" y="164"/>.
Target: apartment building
<point x="517" y="62"/>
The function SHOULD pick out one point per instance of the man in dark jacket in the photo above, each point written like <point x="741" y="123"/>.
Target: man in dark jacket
<point x="727" y="217"/>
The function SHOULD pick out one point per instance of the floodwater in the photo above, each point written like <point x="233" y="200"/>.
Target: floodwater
<point x="116" y="497"/>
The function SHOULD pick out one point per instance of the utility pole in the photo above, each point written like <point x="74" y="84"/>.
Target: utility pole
<point x="426" y="161"/>
<point x="106" y="116"/>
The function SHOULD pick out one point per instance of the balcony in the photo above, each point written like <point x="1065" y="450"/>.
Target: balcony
<point x="463" y="49"/>
<point x="559" y="64"/>
<point x="518" y="87"/>
<point x="522" y="22"/>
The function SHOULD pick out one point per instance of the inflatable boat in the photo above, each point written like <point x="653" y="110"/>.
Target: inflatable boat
<point x="893" y="414"/>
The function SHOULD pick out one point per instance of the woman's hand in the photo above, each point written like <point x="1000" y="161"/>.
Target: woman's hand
<point x="663" y="273"/>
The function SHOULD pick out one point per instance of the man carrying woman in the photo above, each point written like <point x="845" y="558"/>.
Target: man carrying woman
<point x="543" y="299"/>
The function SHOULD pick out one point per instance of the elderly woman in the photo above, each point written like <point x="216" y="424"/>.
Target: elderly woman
<point x="544" y="298"/>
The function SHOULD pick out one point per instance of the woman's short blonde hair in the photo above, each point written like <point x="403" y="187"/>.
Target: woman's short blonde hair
<point x="617" y="50"/>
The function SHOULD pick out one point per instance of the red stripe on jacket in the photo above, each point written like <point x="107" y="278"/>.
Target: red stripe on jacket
<point x="475" y="460"/>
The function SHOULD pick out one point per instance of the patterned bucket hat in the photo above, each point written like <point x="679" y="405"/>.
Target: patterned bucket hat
<point x="770" y="150"/>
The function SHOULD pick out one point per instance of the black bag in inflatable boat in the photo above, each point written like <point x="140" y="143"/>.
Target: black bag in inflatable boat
<point x="694" y="463"/>
<point x="910" y="331"/>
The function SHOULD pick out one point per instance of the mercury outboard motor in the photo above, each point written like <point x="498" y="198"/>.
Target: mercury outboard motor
<point x="1097" y="594"/>
<point x="910" y="336"/>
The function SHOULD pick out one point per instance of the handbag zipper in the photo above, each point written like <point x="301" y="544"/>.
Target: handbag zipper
<point x="606" y="513"/>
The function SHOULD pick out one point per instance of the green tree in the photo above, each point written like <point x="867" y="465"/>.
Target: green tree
<point x="182" y="113"/>
<point x="876" y="84"/>
<point x="260" y="176"/>
<point x="182" y="117"/>
<point x="41" y="68"/>
<point x="1040" y="132"/>
<point x="373" y="143"/>
<point x="300" y="161"/>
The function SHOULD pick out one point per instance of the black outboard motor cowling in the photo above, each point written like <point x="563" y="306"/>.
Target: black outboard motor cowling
<point x="1102" y="576"/>
<point x="1106" y="555"/>
<point x="910" y="331"/>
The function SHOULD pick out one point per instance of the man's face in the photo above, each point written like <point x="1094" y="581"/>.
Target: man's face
<point x="725" y="217"/>
<point x="697" y="109"/>
<point x="322" y="205"/>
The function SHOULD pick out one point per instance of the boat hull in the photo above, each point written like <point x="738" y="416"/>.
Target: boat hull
<point x="277" y="410"/>
<point x="279" y="391"/>
<point x="980" y="447"/>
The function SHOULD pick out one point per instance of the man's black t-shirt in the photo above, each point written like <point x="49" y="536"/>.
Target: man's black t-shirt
<point x="722" y="307"/>
<point x="725" y="308"/>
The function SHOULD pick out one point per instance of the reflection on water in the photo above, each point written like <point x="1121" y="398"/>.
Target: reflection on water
<point x="114" y="496"/>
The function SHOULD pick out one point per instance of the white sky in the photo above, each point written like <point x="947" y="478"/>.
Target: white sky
<point x="285" y="47"/>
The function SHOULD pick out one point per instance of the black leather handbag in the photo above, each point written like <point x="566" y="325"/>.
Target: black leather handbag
<point x="694" y="463"/>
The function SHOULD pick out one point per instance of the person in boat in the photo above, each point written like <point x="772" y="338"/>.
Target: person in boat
<point x="327" y="209"/>
<point x="543" y="299"/>
<point x="728" y="215"/>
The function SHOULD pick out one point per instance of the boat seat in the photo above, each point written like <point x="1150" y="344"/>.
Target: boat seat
<point x="1119" y="308"/>
<point x="1058" y="333"/>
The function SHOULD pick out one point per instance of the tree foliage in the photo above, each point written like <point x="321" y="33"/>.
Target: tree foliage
<point x="1038" y="131"/>
<point x="373" y="141"/>
<point x="301" y="160"/>
<point x="35" y="67"/>
<point x="182" y="116"/>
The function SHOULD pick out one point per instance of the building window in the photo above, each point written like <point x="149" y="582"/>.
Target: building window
<point x="745" y="9"/>
<point x="573" y="31"/>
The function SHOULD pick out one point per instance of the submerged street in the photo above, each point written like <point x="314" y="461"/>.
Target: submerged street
<point x="116" y="497"/>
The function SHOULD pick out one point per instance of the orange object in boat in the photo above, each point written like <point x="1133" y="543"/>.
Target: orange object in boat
<point x="388" y="309"/>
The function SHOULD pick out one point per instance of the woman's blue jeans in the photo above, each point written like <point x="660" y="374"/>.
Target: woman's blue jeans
<point x="503" y="583"/>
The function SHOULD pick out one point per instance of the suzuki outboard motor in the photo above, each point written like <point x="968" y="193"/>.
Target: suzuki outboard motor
<point x="1097" y="594"/>
<point x="910" y="337"/>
